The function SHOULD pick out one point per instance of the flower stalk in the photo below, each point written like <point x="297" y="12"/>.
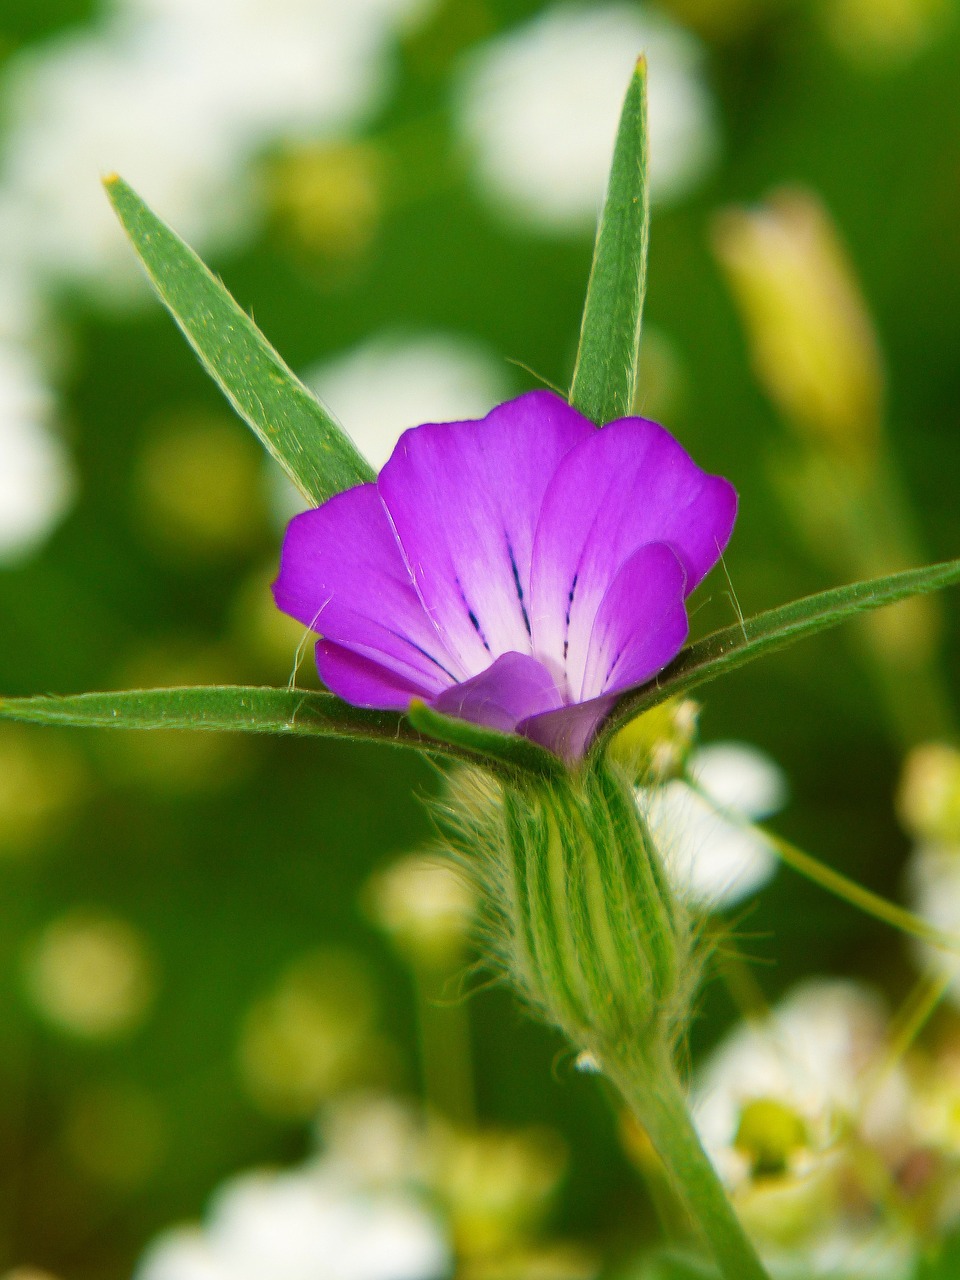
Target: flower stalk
<point x="650" y="1086"/>
<point x="586" y="927"/>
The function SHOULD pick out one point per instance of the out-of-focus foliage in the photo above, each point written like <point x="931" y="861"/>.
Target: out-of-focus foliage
<point x="205" y="939"/>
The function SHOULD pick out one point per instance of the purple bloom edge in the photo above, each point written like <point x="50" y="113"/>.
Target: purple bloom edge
<point x="520" y="571"/>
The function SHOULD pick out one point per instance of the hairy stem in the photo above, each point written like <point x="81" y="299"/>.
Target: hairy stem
<point x="653" y="1091"/>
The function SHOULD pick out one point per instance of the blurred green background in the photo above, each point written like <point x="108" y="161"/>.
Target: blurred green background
<point x="181" y="878"/>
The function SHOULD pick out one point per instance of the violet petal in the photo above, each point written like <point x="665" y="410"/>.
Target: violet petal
<point x="628" y="485"/>
<point x="363" y="681"/>
<point x="342" y="575"/>
<point x="513" y="688"/>
<point x="464" y="498"/>
<point x="641" y="623"/>
<point x="568" y="731"/>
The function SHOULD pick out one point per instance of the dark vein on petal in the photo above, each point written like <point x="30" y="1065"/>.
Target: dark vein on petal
<point x="519" y="587"/>
<point x="474" y="620"/>
<point x="424" y="652"/>
<point x="566" y="633"/>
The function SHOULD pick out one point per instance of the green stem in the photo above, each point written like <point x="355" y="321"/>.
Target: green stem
<point x="654" y="1093"/>
<point x="865" y="900"/>
<point x="841" y="886"/>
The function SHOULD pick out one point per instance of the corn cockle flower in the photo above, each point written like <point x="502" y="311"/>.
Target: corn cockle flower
<point x="519" y="571"/>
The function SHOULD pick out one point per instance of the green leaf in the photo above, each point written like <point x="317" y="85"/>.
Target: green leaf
<point x="291" y="423"/>
<point x="292" y="712"/>
<point x="605" y="376"/>
<point x="218" y="707"/>
<point x="669" y="1264"/>
<point x="511" y="750"/>
<point x="766" y="632"/>
<point x="942" y="1261"/>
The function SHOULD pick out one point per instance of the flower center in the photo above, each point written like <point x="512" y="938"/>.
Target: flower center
<point x="768" y="1134"/>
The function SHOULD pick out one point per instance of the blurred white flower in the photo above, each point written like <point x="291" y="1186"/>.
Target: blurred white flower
<point x="305" y="1225"/>
<point x="377" y="1140"/>
<point x="933" y="891"/>
<point x="539" y="109"/>
<point x="739" y="777"/>
<point x="380" y="388"/>
<point x="426" y="907"/>
<point x="36" y="482"/>
<point x="179" y="98"/>
<point x="810" y="1058"/>
<point x="90" y="104"/>
<point x="714" y="857"/>
<point x="777" y="1105"/>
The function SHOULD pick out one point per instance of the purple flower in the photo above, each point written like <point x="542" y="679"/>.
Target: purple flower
<point x="520" y="571"/>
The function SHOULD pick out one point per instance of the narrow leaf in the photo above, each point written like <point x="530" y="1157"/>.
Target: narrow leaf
<point x="510" y="749"/>
<point x="217" y="707"/>
<point x="605" y="376"/>
<point x="290" y="712"/>
<point x="291" y="423"/>
<point x="766" y="632"/>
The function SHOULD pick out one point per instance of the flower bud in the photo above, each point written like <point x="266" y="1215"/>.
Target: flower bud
<point x="497" y="1186"/>
<point x="882" y="34"/>
<point x="656" y="744"/>
<point x="577" y="905"/>
<point x="329" y="197"/>
<point x="425" y="907"/>
<point x="928" y="800"/>
<point x="812" y="341"/>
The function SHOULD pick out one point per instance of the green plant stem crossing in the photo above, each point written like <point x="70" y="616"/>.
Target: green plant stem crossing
<point x="655" y="1096"/>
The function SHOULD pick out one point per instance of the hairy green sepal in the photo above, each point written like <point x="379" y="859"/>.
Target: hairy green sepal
<point x="583" y="921"/>
<point x="577" y="904"/>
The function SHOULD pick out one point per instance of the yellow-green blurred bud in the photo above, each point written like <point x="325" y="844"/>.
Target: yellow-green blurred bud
<point x="769" y="1134"/>
<point x="498" y="1185"/>
<point x="427" y="909"/>
<point x="41" y="780"/>
<point x="114" y="1134"/>
<point x="198" y="488"/>
<point x="659" y="376"/>
<point x="330" y="195"/>
<point x="28" y="1273"/>
<point x="811" y="337"/>
<point x="928" y="799"/>
<point x="884" y="33"/>
<point x="723" y="20"/>
<point x="91" y="974"/>
<point x="656" y="744"/>
<point x="281" y="648"/>
<point x="312" y="1035"/>
<point x="538" y="1262"/>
